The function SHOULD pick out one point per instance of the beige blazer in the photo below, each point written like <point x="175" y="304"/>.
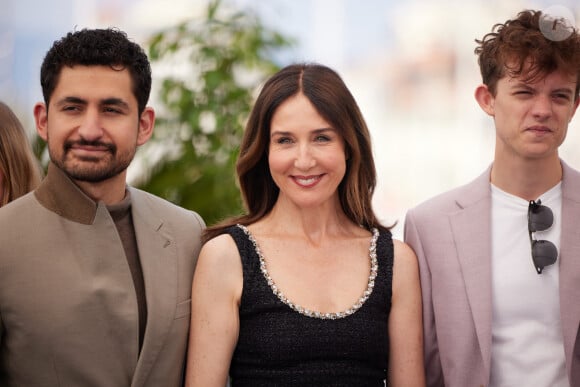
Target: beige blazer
<point x="68" y="310"/>
<point x="451" y="235"/>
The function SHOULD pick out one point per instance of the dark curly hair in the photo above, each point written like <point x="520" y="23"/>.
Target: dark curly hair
<point x="97" y="47"/>
<point x="519" y="47"/>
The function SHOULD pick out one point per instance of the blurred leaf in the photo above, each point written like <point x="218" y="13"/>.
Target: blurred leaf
<point x="216" y="63"/>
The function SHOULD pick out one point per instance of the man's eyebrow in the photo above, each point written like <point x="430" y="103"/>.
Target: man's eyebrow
<point x="115" y="102"/>
<point x="565" y="90"/>
<point x="107" y="101"/>
<point x="521" y="84"/>
<point x="75" y="100"/>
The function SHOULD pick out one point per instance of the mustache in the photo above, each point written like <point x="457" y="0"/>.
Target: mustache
<point x="97" y="144"/>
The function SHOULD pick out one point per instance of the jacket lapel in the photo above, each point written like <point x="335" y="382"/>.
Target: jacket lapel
<point x="157" y="252"/>
<point x="471" y="227"/>
<point x="570" y="268"/>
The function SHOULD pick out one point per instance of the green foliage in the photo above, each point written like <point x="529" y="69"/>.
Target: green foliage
<point x="214" y="65"/>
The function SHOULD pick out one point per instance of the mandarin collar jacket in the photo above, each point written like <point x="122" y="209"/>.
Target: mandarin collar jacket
<point x="68" y="311"/>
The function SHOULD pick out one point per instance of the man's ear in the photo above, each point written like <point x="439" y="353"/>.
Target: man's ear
<point x="41" y="120"/>
<point x="575" y="107"/>
<point x="485" y="99"/>
<point x="146" y="124"/>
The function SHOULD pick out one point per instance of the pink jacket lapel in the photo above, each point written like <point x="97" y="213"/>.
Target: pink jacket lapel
<point x="472" y="232"/>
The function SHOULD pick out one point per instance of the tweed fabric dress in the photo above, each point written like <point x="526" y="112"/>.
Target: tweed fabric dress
<point x="278" y="346"/>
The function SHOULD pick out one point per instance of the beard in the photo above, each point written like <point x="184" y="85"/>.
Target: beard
<point x="92" y="169"/>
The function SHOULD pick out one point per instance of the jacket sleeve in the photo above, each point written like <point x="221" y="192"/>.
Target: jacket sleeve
<point x="433" y="370"/>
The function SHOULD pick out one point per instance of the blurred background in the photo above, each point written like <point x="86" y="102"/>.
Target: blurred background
<point x="410" y="65"/>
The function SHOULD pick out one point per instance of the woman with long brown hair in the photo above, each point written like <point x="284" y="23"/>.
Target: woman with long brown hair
<point x="307" y="288"/>
<point x="20" y="171"/>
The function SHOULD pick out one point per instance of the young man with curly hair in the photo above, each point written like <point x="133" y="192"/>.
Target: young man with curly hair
<point x="500" y="257"/>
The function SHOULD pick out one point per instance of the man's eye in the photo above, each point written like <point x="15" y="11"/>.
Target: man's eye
<point x="563" y="97"/>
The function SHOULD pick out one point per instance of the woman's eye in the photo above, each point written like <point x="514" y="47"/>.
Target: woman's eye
<point x="283" y="140"/>
<point x="322" y="138"/>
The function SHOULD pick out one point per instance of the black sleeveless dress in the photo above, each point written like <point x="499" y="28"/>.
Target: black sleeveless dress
<point x="279" y="346"/>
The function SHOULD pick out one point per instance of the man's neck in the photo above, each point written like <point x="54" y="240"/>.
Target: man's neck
<point x="527" y="179"/>
<point x="110" y="191"/>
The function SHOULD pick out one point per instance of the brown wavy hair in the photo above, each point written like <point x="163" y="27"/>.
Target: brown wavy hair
<point x="519" y="47"/>
<point x="18" y="165"/>
<point x="327" y="92"/>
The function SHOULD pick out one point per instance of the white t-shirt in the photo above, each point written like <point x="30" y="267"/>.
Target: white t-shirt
<point x="527" y="344"/>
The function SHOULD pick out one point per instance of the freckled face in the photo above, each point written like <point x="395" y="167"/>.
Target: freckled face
<point x="306" y="154"/>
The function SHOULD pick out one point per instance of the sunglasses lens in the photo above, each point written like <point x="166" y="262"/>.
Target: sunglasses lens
<point x="540" y="218"/>
<point x="544" y="254"/>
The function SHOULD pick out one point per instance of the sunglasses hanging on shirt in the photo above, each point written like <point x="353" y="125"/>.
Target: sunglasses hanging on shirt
<point x="540" y="218"/>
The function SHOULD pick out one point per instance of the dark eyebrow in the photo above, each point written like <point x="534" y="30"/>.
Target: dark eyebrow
<point x="315" y="131"/>
<point x="115" y="102"/>
<point x="322" y="130"/>
<point x="564" y="90"/>
<point x="279" y="133"/>
<point x="75" y="100"/>
<point x="106" y="102"/>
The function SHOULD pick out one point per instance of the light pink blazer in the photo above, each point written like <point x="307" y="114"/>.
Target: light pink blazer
<point x="451" y="235"/>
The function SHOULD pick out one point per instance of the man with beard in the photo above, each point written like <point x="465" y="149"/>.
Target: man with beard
<point x="95" y="275"/>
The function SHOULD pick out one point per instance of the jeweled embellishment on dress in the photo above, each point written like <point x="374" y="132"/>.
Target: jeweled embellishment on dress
<point x="315" y="314"/>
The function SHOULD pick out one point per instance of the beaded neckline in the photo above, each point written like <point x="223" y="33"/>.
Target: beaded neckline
<point x="311" y="313"/>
